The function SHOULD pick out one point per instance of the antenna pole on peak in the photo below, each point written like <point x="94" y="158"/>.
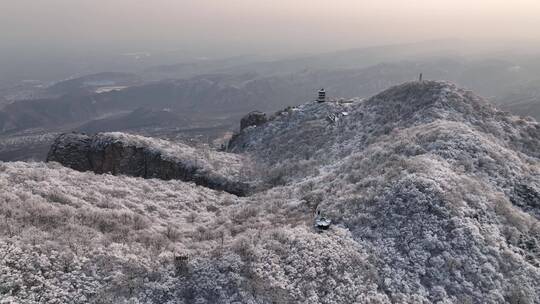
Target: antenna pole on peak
<point x="420" y="78"/>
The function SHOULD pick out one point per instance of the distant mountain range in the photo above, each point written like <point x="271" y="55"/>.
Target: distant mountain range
<point x="234" y="93"/>
<point x="173" y="98"/>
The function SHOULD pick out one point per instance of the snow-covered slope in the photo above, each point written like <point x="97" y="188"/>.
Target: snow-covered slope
<point x="434" y="197"/>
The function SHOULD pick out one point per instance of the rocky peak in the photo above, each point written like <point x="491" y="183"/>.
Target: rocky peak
<point x="429" y="100"/>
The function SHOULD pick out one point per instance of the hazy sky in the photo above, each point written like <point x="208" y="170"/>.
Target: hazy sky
<point x="258" y="25"/>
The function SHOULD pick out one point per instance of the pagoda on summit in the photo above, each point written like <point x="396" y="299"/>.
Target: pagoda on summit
<point x="322" y="96"/>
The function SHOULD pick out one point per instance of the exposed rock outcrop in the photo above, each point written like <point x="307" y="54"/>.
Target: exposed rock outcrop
<point x="118" y="153"/>
<point x="72" y="150"/>
<point x="254" y="118"/>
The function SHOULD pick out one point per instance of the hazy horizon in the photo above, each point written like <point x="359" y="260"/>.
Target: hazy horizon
<point x="55" y="39"/>
<point x="242" y="26"/>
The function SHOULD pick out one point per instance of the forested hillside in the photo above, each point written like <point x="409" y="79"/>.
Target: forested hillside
<point x="433" y="193"/>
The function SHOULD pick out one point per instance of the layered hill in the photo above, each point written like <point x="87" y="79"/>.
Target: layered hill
<point x="434" y="197"/>
<point x="163" y="105"/>
<point x="231" y="92"/>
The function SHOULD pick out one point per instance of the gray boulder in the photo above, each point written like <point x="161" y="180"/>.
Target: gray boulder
<point x="254" y="118"/>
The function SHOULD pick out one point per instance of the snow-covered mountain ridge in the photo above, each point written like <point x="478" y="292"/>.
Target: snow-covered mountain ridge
<point x="433" y="193"/>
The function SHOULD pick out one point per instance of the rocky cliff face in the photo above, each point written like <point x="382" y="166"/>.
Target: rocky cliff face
<point x="118" y="153"/>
